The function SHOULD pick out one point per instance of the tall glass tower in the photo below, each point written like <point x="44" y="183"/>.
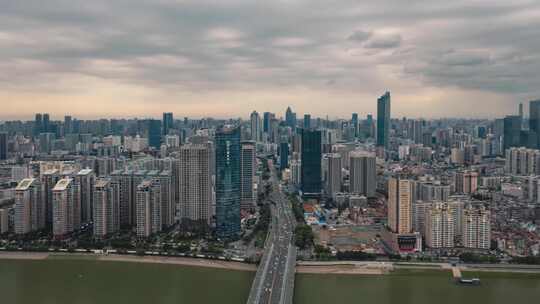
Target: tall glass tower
<point x="154" y="133"/>
<point x="311" y="162"/>
<point x="227" y="142"/>
<point x="383" y="120"/>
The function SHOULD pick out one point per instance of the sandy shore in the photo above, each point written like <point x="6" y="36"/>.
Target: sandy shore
<point x="129" y="258"/>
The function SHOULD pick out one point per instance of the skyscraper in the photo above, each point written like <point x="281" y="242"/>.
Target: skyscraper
<point x="255" y="126"/>
<point x="383" y="120"/>
<point x="227" y="141"/>
<point x="3" y="145"/>
<point x="363" y="176"/>
<point x="154" y="133"/>
<point x="290" y="118"/>
<point x="106" y="207"/>
<point x="195" y="184"/>
<point x="29" y="207"/>
<point x="247" y="168"/>
<point x="168" y="123"/>
<point x="283" y="155"/>
<point x="354" y="121"/>
<point x="311" y="162"/>
<point x="267" y="120"/>
<point x="512" y="131"/>
<point x="307" y="121"/>
<point x="534" y="121"/>
<point x="38" y="124"/>
<point x="399" y="205"/>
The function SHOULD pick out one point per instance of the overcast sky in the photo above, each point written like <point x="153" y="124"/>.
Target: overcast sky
<point x="225" y="58"/>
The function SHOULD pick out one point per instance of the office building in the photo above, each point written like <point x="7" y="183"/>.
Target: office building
<point x="383" y="120"/>
<point x="363" y="173"/>
<point x="307" y="121"/>
<point x="255" y="126"/>
<point x="534" y="121"/>
<point x="283" y="155"/>
<point x="29" y="207"/>
<point x="248" y="166"/>
<point x="106" y="207"/>
<point x="311" y="162"/>
<point x="154" y="133"/>
<point x="512" y="132"/>
<point x="228" y="180"/>
<point x="194" y="183"/>
<point x="168" y="123"/>
<point x="290" y="118"/>
<point x="3" y="145"/>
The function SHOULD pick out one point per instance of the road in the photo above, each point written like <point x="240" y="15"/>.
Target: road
<point x="274" y="281"/>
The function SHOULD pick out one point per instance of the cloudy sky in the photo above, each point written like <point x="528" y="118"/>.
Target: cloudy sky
<point x="225" y="58"/>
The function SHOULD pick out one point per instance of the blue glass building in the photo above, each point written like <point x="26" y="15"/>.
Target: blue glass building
<point x="154" y="133"/>
<point x="227" y="141"/>
<point x="311" y="163"/>
<point x="383" y="120"/>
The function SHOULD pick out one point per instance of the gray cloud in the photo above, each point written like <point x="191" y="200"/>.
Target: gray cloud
<point x="243" y="45"/>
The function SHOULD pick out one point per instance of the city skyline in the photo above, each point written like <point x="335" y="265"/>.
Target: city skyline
<point x="201" y="59"/>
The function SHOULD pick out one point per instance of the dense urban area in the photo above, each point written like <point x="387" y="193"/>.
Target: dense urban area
<point x="364" y="188"/>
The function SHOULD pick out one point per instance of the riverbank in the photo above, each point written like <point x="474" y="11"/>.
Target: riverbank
<point x="195" y="262"/>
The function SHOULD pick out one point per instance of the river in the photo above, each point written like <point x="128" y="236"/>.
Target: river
<point x="65" y="281"/>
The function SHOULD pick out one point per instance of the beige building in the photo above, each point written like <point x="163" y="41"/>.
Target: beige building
<point x="66" y="207"/>
<point x="29" y="206"/>
<point x="399" y="205"/>
<point x="148" y="208"/>
<point x="195" y="184"/>
<point x="439" y="226"/>
<point x="476" y="227"/>
<point x="466" y="182"/>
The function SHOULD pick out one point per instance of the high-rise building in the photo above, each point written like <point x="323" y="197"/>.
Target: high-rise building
<point x="267" y="121"/>
<point x="66" y="207"/>
<point x="127" y="199"/>
<point x="38" y="124"/>
<point x="227" y="141"/>
<point x="476" y="227"/>
<point x="46" y="127"/>
<point x="466" y="182"/>
<point x="154" y="133"/>
<point x="363" y="173"/>
<point x="29" y="207"/>
<point x="45" y="142"/>
<point x="4" y="220"/>
<point x="383" y="120"/>
<point x="399" y="205"/>
<point x="195" y="184"/>
<point x="255" y="126"/>
<point x="512" y="132"/>
<point x="148" y="208"/>
<point x="534" y="121"/>
<point x="354" y="121"/>
<point x="283" y="155"/>
<point x="168" y="123"/>
<point x="333" y="174"/>
<point x="106" y="207"/>
<point x="522" y="161"/>
<point x="290" y="118"/>
<point x="439" y="226"/>
<point x="3" y="145"/>
<point x="307" y="121"/>
<point x="311" y="162"/>
<point x="247" y="168"/>
<point x="49" y="178"/>
<point x="85" y="180"/>
<point x="168" y="208"/>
